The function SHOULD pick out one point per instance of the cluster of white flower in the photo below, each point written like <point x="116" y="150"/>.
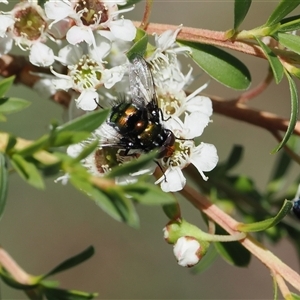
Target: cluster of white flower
<point x="92" y="37"/>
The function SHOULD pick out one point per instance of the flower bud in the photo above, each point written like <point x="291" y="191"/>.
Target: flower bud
<point x="187" y="251"/>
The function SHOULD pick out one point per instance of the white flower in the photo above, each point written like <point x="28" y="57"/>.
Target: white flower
<point x="187" y="251"/>
<point x="90" y="17"/>
<point x="165" y="44"/>
<point x="87" y="72"/>
<point x="204" y="156"/>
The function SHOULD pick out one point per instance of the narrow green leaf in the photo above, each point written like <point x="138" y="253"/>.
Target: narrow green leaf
<point x="140" y="44"/>
<point x="27" y="171"/>
<point x="290" y="24"/>
<point x="207" y="261"/>
<point x="282" y="9"/>
<point x="100" y="198"/>
<point x="283" y="164"/>
<point x="220" y="65"/>
<point x="292" y="296"/>
<point x="12" y="105"/>
<point x="172" y="211"/>
<point x="235" y="157"/>
<point x="148" y="194"/>
<point x="275" y="288"/>
<point x="134" y="165"/>
<point x="42" y="142"/>
<point x="71" y="262"/>
<point x="66" y="138"/>
<point x="294" y="113"/>
<point x="290" y="41"/>
<point x="241" y="8"/>
<point x="232" y="252"/>
<point x="60" y="294"/>
<point x="265" y="224"/>
<point x="124" y="205"/>
<point x="3" y="183"/>
<point x="5" y="85"/>
<point x="88" y="122"/>
<point x="274" y="62"/>
<point x="87" y="150"/>
<point x="10" y="143"/>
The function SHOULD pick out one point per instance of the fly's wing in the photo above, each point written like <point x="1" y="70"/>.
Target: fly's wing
<point x="141" y="83"/>
<point x="109" y="137"/>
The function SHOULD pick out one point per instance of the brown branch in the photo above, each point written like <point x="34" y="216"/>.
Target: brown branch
<point x="259" y="118"/>
<point x="146" y="16"/>
<point x="216" y="38"/>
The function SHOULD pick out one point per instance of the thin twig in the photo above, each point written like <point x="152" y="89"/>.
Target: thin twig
<point x="244" y="97"/>
<point x="146" y="17"/>
<point x="13" y="268"/>
<point x="229" y="224"/>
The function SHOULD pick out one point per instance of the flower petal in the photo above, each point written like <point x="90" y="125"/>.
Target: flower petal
<point x="186" y="251"/>
<point x="204" y="158"/>
<point x="87" y="100"/>
<point x="78" y="34"/>
<point x="123" y="29"/>
<point x="41" y="55"/>
<point x="174" y="180"/>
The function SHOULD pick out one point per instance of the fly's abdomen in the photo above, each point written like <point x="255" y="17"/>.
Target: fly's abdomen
<point x="128" y="120"/>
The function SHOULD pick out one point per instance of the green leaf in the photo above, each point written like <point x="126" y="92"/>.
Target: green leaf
<point x="220" y="65"/>
<point x="134" y="165"/>
<point x="60" y="294"/>
<point x="27" y="171"/>
<point x="172" y="211"/>
<point x="148" y="194"/>
<point x="290" y="24"/>
<point x="5" y="85"/>
<point x="10" y="143"/>
<point x="3" y="183"/>
<point x="275" y="288"/>
<point x="265" y="224"/>
<point x="283" y="163"/>
<point x="124" y="205"/>
<point x="274" y="62"/>
<point x="129" y="3"/>
<point x="39" y="144"/>
<point x="71" y="262"/>
<point x="294" y="113"/>
<point x="100" y="198"/>
<point x="88" y="122"/>
<point x="66" y="138"/>
<point x="282" y="9"/>
<point x="235" y="157"/>
<point x="207" y="261"/>
<point x="140" y="44"/>
<point x="87" y="150"/>
<point x="289" y="41"/>
<point x="12" y="105"/>
<point x="292" y="296"/>
<point x="232" y="252"/>
<point x="241" y="8"/>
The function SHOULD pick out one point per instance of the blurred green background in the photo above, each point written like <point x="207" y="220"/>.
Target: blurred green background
<point x="40" y="229"/>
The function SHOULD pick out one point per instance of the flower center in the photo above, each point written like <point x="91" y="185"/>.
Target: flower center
<point x="93" y="12"/>
<point x="86" y="73"/>
<point x="29" y="23"/>
<point x="169" y="103"/>
<point x="181" y="154"/>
